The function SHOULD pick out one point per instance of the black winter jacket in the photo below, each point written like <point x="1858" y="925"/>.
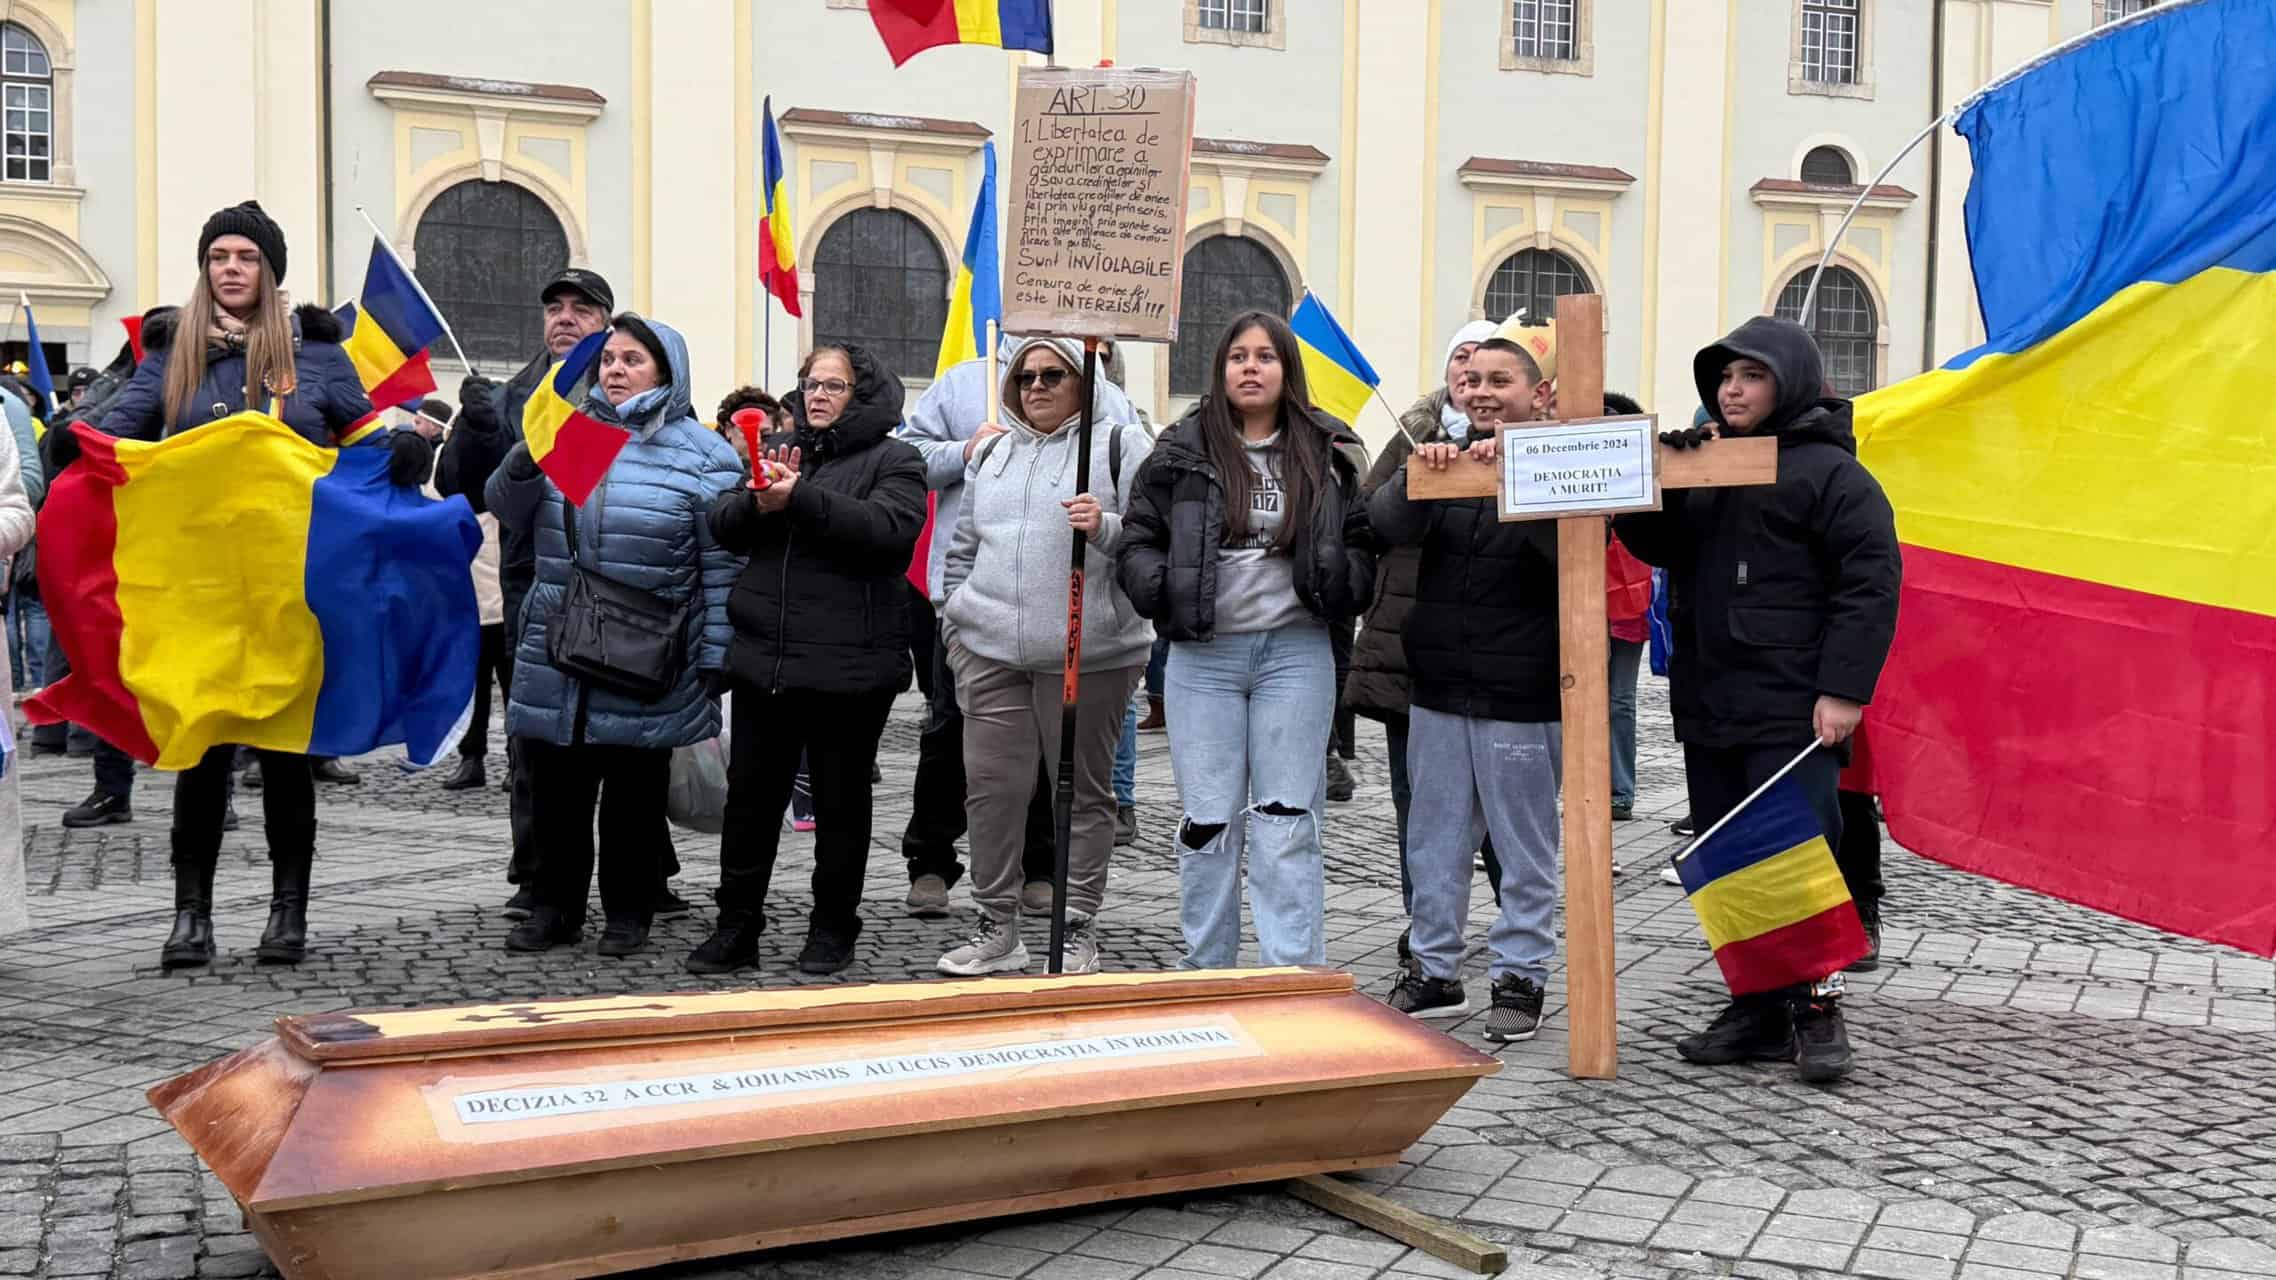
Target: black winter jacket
<point x="1378" y="686"/>
<point x="488" y="427"/>
<point x="1481" y="640"/>
<point x="823" y="604"/>
<point x="1167" y="561"/>
<point x="1777" y="593"/>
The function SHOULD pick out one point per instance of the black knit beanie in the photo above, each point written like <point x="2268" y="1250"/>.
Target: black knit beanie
<point x="249" y="221"/>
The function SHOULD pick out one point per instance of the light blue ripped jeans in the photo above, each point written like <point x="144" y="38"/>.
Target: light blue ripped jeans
<point x="1249" y="722"/>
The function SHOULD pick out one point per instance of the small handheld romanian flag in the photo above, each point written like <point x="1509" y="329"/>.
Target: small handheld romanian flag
<point x="572" y="450"/>
<point x="389" y="328"/>
<point x="1770" y="896"/>
<point x="1340" y="378"/>
<point x="238" y="584"/>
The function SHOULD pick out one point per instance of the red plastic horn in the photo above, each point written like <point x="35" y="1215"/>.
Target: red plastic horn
<point x="753" y="423"/>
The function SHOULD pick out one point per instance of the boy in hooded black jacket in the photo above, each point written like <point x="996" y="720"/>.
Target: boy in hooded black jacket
<point x="1783" y="598"/>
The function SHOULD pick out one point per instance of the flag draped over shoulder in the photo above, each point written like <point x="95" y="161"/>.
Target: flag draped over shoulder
<point x="238" y="584"/>
<point x="909" y="27"/>
<point x="778" y="252"/>
<point x="388" y="330"/>
<point x="2084" y="676"/>
<point x="1340" y="378"/>
<point x="1770" y="896"/>
<point x="978" y="295"/>
<point x="574" y="451"/>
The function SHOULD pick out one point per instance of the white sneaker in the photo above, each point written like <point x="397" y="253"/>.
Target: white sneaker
<point x="995" y="948"/>
<point x="1669" y="875"/>
<point x="1081" y="955"/>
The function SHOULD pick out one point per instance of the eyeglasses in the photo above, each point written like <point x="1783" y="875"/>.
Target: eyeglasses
<point x="831" y="387"/>
<point x="1048" y="378"/>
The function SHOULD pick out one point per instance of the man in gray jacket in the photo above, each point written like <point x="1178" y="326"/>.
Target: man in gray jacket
<point x="946" y="427"/>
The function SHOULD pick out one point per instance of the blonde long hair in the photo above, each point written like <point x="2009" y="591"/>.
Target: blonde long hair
<point x="269" y="363"/>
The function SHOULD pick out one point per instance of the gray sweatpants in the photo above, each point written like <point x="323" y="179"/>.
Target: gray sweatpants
<point x="1011" y="721"/>
<point x="1471" y="779"/>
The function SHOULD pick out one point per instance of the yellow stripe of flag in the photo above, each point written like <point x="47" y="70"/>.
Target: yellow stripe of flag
<point x="1780" y="890"/>
<point x="1334" y="388"/>
<point x="979" y="22"/>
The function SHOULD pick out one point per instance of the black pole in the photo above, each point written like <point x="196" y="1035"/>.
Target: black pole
<point x="1071" y="683"/>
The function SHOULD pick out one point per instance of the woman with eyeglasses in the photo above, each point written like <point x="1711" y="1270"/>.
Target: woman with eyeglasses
<point x="1005" y="623"/>
<point x="1245" y="539"/>
<point x="829" y="520"/>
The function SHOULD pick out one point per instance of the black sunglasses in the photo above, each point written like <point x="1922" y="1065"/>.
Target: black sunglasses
<point x="1050" y="378"/>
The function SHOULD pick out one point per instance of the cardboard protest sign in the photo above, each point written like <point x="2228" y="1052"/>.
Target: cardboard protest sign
<point x="1100" y="162"/>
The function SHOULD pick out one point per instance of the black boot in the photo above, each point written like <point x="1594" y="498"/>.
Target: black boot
<point x="467" y="776"/>
<point x="285" y="941"/>
<point x="191" y="943"/>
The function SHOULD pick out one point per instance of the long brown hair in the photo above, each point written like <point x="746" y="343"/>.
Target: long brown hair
<point x="1304" y="447"/>
<point x="269" y="366"/>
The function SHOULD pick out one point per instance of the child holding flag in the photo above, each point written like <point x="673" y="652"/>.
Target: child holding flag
<point x="1784" y="605"/>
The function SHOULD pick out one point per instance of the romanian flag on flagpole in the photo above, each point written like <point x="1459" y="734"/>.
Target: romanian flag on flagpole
<point x="36" y="370"/>
<point x="1770" y="896"/>
<point x="574" y="451"/>
<point x="909" y="27"/>
<point x="389" y="327"/>
<point x="1340" y="378"/>
<point x="2084" y="675"/>
<point x="238" y="584"/>
<point x="778" y="252"/>
<point x="978" y="295"/>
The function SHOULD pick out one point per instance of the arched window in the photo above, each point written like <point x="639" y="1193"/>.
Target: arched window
<point x="881" y="282"/>
<point x="1843" y="322"/>
<point x="1531" y="280"/>
<point x="1224" y="276"/>
<point x="1828" y="165"/>
<point x="485" y="250"/>
<point x="27" y="106"/>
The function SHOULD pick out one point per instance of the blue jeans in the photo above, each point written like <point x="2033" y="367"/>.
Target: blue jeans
<point x="1485" y="777"/>
<point x="1157" y="662"/>
<point x="1253" y="714"/>
<point x="1627" y="657"/>
<point x="27" y="641"/>
<point x="1126" y="756"/>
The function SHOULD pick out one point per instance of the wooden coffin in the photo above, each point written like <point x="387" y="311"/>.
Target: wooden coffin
<point x="581" y="1137"/>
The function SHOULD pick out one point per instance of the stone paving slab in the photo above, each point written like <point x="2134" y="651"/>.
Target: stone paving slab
<point x="2042" y="1091"/>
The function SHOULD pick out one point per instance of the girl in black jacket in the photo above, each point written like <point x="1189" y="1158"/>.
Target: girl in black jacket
<point x="1244" y="538"/>
<point x="821" y="645"/>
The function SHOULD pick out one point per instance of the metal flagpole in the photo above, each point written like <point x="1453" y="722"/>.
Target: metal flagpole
<point x="413" y="277"/>
<point x="1070" y="685"/>
<point x="1740" y="807"/>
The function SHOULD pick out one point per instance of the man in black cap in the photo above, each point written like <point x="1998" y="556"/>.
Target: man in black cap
<point x="577" y="303"/>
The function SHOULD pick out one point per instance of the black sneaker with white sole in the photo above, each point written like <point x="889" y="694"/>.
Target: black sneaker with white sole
<point x="1821" y="1041"/>
<point x="1421" y="997"/>
<point x="1516" y="1014"/>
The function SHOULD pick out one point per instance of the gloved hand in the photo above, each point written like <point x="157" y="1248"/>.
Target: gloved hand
<point x="518" y="464"/>
<point x="477" y="404"/>
<point x="59" y="449"/>
<point x="1687" y="437"/>
<point x="413" y="460"/>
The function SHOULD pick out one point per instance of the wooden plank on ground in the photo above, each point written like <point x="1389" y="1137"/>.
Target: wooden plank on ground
<point x="1438" y="1239"/>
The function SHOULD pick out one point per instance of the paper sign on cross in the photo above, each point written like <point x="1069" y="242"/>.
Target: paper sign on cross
<point x="1594" y="1051"/>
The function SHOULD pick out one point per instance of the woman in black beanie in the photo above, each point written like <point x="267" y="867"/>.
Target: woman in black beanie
<point x="238" y="345"/>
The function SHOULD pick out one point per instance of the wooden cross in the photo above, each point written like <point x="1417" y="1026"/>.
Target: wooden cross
<point x="1594" y="1047"/>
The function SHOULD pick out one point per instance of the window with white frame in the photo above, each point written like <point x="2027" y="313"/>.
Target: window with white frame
<point x="2112" y="10"/>
<point x="1830" y="41"/>
<point x="1844" y="323"/>
<point x="1248" y="16"/>
<point x="1531" y="281"/>
<point x="1544" y="28"/>
<point x="27" y="107"/>
<point x="1828" y="166"/>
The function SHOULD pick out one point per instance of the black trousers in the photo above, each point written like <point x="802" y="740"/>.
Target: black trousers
<point x="837" y="733"/>
<point x="1344" y="739"/>
<point x="628" y="784"/>
<point x="493" y="662"/>
<point x="288" y="804"/>
<point x="936" y="809"/>
<point x="1859" y="852"/>
<point x="1720" y="777"/>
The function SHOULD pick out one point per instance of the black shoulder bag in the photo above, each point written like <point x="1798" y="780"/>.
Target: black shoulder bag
<point x="614" y="636"/>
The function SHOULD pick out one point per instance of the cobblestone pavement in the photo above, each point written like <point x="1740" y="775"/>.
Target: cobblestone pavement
<point x="2042" y="1091"/>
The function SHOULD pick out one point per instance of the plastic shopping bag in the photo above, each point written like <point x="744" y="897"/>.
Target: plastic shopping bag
<point x="697" y="799"/>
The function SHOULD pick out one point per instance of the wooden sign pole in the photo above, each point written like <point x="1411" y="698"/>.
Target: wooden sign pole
<point x="1593" y="1047"/>
<point x="1583" y="642"/>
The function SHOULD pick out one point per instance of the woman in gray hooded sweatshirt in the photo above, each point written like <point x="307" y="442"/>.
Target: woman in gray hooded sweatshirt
<point x="1005" y="623"/>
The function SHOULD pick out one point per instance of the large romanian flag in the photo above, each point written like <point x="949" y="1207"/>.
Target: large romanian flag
<point x="238" y="584"/>
<point x="2083" y="685"/>
<point x="389" y="327"/>
<point x="977" y="297"/>
<point x="1339" y="378"/>
<point x="778" y="251"/>
<point x="1770" y="896"/>
<point x="573" y="450"/>
<point x="909" y="27"/>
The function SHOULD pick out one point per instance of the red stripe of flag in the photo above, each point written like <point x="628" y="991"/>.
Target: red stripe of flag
<point x="80" y="581"/>
<point x="412" y="382"/>
<point x="1803" y="951"/>
<point x="581" y="454"/>
<point x="2106" y="746"/>
<point x="909" y="27"/>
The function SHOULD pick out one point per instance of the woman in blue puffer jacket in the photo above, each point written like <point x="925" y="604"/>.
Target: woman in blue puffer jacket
<point x="645" y="526"/>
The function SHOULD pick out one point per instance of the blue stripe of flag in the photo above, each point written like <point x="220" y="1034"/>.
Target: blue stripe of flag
<point x="1778" y="820"/>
